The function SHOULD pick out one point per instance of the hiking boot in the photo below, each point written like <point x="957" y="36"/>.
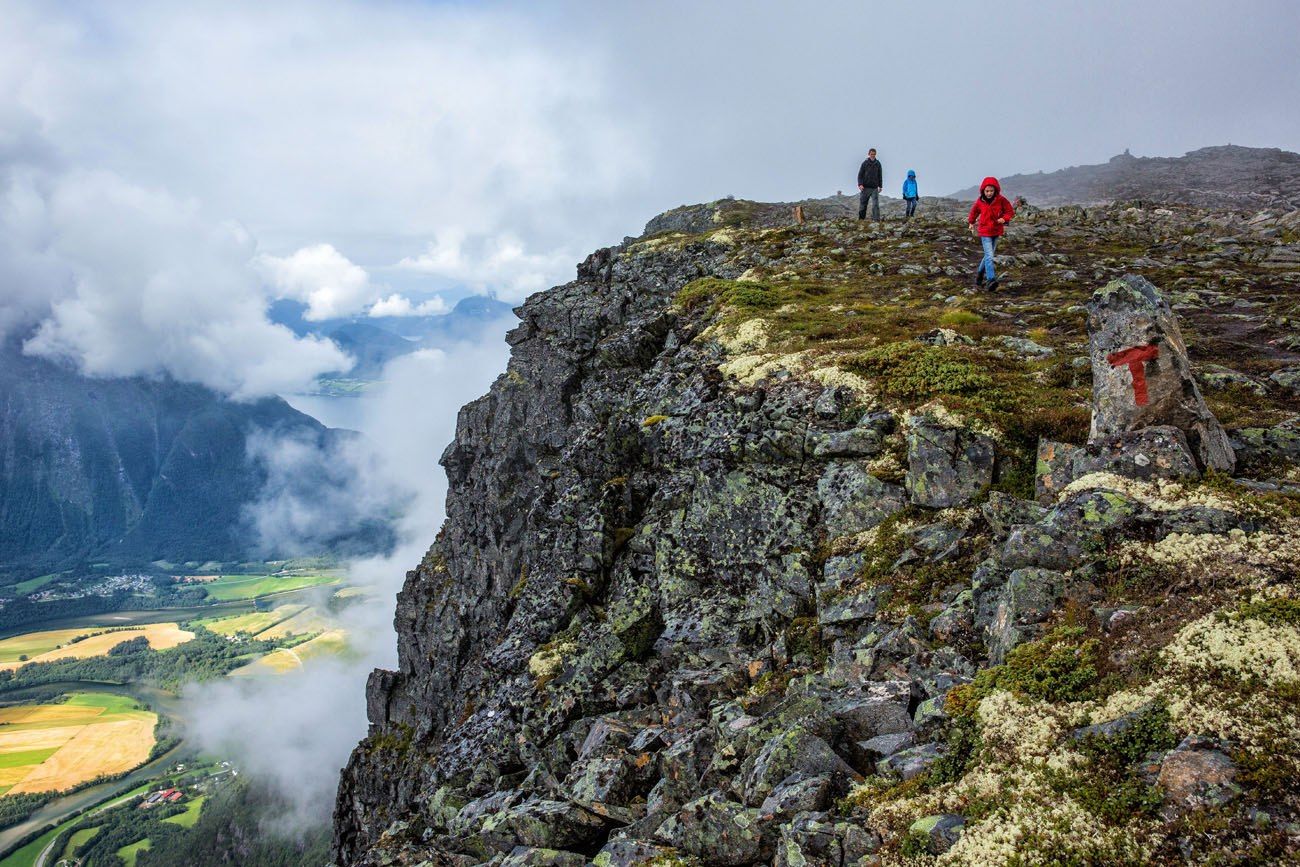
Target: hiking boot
<point x="992" y="285"/>
<point x="979" y="277"/>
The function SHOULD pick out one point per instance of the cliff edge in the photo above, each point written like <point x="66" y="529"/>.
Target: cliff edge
<point x="784" y="544"/>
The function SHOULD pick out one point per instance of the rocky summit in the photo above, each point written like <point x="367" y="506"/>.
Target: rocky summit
<point x="782" y="543"/>
<point x="1227" y="176"/>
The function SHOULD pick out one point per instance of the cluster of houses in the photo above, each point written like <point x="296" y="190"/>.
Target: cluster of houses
<point x="215" y="778"/>
<point x="162" y="796"/>
<point x="137" y="583"/>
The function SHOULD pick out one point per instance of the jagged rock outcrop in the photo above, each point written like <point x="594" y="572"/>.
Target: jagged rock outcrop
<point x="1141" y="374"/>
<point x="740" y="566"/>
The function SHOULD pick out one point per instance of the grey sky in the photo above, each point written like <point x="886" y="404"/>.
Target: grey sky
<point x="344" y="152"/>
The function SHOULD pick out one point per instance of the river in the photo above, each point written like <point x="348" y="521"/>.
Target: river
<point x="166" y="615"/>
<point x="59" y="809"/>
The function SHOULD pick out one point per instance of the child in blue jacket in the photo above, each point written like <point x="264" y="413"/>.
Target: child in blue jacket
<point x="910" y="195"/>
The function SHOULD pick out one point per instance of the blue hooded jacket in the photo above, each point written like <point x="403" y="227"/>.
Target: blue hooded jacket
<point x="909" y="186"/>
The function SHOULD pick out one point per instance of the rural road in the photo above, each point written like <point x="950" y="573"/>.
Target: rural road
<point x="45" y="853"/>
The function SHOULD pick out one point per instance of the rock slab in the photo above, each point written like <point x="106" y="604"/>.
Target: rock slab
<point x="1141" y="374"/>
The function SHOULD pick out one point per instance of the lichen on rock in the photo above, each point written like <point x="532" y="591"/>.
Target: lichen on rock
<point x="781" y="544"/>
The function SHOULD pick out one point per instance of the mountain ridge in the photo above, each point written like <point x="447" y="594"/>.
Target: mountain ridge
<point x="128" y="469"/>
<point x="1219" y="176"/>
<point x="775" y="540"/>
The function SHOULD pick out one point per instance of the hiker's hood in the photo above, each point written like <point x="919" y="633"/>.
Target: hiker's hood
<point x="991" y="182"/>
<point x="911" y="173"/>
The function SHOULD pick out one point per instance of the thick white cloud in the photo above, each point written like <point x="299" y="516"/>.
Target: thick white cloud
<point x="500" y="263"/>
<point x="342" y="136"/>
<point x="400" y="305"/>
<point x="323" y="278"/>
<point x="371" y="127"/>
<point x="319" y="714"/>
<point x="122" y="280"/>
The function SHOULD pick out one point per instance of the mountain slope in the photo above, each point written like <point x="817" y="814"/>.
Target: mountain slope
<point x="782" y="545"/>
<point x="1228" y="176"/>
<point x="127" y="469"/>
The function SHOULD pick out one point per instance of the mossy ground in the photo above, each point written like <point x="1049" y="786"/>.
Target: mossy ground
<point x="855" y="297"/>
<point x="841" y="291"/>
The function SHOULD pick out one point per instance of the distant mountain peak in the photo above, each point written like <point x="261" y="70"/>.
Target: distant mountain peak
<point x="1219" y="176"/>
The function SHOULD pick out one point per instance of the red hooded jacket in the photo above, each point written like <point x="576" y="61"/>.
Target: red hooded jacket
<point x="987" y="213"/>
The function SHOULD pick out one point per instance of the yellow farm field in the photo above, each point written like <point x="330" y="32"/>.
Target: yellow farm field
<point x="252" y="623"/>
<point x="304" y="622"/>
<point x="161" y="636"/>
<point x="330" y="643"/>
<point x="54" y="747"/>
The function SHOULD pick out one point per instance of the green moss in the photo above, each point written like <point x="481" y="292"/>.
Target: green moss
<point x="958" y="318"/>
<point x="1061" y="666"/>
<point x="1149" y="732"/>
<point x="393" y="739"/>
<point x="803" y="636"/>
<point x="915" y="845"/>
<point x="1280" y="611"/>
<point x="911" y="370"/>
<point x="962" y="738"/>
<point x="517" y="590"/>
<point x="874" y="791"/>
<point x="1109" y="786"/>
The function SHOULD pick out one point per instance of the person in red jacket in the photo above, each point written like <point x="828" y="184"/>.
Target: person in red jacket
<point x="988" y="219"/>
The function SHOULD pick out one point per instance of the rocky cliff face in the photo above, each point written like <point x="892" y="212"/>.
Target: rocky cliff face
<point x="784" y="544"/>
<point x="1229" y="176"/>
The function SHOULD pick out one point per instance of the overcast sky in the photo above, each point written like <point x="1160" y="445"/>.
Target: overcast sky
<point x="167" y="168"/>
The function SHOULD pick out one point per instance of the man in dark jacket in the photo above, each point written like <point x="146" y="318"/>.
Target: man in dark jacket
<point x="870" y="183"/>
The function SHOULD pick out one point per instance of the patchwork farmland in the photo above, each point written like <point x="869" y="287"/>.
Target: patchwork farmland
<point x="52" y="747"/>
<point x="84" y="643"/>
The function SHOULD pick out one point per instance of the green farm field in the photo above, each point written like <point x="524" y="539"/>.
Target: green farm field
<point x="229" y="588"/>
<point x="191" y="814"/>
<point x="129" y="854"/>
<point x="251" y="623"/>
<point x="77" y="840"/>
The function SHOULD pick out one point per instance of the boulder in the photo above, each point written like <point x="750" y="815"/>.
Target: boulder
<point x="1071" y="531"/>
<point x="857" y="442"/>
<point x="853" y="500"/>
<point x="1288" y="378"/>
<point x="946" y="466"/>
<point x="1159" y="452"/>
<point x="797" y="794"/>
<point x="910" y="762"/>
<point x="543" y="824"/>
<point x="1197" y="774"/>
<point x="715" y="830"/>
<point x="628" y="853"/>
<point x="1141" y="375"/>
<point x="882" y="710"/>
<point x="785" y="754"/>
<point x="1003" y="511"/>
<point x="528" y="856"/>
<point x="812" y="840"/>
<point x="940" y="831"/>
<point x="1266" y="448"/>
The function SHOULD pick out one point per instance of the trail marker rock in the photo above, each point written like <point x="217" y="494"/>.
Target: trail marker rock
<point x="1141" y="375"/>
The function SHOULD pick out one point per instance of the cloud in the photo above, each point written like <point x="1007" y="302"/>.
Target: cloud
<point x="322" y="494"/>
<point x="501" y="263"/>
<point x="318" y="712"/>
<point x="122" y="280"/>
<point x="400" y="305"/>
<point x="323" y="278"/>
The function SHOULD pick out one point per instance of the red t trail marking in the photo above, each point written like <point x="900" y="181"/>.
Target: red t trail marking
<point x="1136" y="358"/>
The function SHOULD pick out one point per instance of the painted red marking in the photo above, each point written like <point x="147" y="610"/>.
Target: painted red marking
<point x="1136" y="357"/>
